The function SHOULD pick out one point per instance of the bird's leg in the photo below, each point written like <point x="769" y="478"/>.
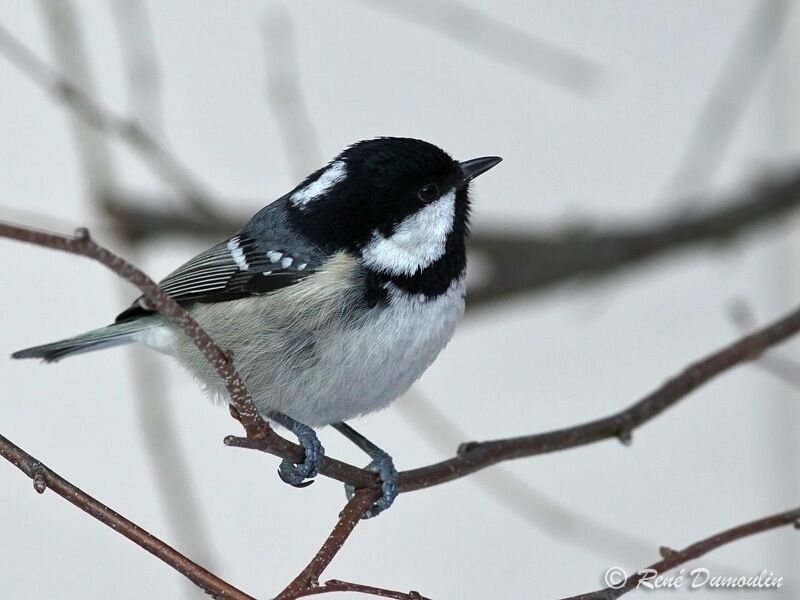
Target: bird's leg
<point x="296" y="474"/>
<point x="381" y="464"/>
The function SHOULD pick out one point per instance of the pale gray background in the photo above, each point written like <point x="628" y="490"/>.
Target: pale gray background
<point x="727" y="454"/>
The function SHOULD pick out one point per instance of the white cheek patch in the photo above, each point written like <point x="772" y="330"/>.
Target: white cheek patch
<point x="329" y="178"/>
<point x="417" y="242"/>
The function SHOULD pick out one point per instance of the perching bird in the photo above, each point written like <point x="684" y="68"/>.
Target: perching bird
<point x="333" y="299"/>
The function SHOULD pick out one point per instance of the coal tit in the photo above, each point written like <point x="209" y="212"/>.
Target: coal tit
<point x="333" y="299"/>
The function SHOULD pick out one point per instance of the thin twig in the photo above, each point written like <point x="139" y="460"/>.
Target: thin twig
<point x="156" y="421"/>
<point x="472" y="456"/>
<point x="242" y="404"/>
<point x="150" y="149"/>
<point x="478" y="455"/>
<point x="779" y="366"/>
<point x="337" y="585"/>
<point x="83" y="244"/>
<point x="504" y="485"/>
<point x="348" y="519"/>
<point x="675" y="558"/>
<point x="44" y="478"/>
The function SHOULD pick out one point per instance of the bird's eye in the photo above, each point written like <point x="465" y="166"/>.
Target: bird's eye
<point x="428" y="193"/>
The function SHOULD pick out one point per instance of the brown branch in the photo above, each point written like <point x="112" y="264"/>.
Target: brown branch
<point x="779" y="366"/>
<point x="83" y="244"/>
<point x="675" y="558"/>
<point x="156" y="422"/>
<point x="475" y="456"/>
<point x="242" y="404"/>
<point x="348" y="519"/>
<point x="44" y="478"/>
<point x="330" y="467"/>
<point x="471" y="457"/>
<point x="508" y="487"/>
<point x="337" y="585"/>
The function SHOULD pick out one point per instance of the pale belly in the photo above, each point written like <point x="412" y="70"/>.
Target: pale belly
<point x="323" y="367"/>
<point x="372" y="365"/>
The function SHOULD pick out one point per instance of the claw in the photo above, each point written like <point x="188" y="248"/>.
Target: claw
<point x="297" y="475"/>
<point x="390" y="484"/>
<point x="290" y="474"/>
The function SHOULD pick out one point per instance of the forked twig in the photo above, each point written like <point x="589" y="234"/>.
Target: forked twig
<point x="674" y="558"/>
<point x="44" y="478"/>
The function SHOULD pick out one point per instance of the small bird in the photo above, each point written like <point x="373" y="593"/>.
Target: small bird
<point x="333" y="300"/>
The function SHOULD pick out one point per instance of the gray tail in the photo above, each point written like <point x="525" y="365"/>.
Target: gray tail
<point x="98" y="339"/>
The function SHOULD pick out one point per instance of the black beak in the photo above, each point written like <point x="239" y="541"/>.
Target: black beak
<point x="476" y="166"/>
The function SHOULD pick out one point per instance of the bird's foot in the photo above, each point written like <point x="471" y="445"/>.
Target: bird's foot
<point x="301" y="474"/>
<point x="383" y="465"/>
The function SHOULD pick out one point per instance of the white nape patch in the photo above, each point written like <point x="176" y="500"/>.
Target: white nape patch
<point x="274" y="256"/>
<point x="237" y="253"/>
<point x="286" y="262"/>
<point x="329" y="178"/>
<point x="417" y="242"/>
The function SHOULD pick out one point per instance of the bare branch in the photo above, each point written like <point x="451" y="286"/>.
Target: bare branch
<point x="44" y="478"/>
<point x="587" y="254"/>
<point x="548" y="515"/>
<point x="337" y="585"/>
<point x="246" y="412"/>
<point x="348" y="519"/>
<point x="475" y="456"/>
<point x="156" y="421"/>
<point x="621" y="425"/>
<point x="471" y="457"/>
<point x="675" y="558"/>
<point x="779" y="366"/>
<point x="83" y="245"/>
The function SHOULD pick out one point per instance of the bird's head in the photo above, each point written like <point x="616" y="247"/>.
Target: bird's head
<point x="401" y="204"/>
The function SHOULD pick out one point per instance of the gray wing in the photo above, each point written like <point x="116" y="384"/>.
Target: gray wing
<point x="241" y="266"/>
